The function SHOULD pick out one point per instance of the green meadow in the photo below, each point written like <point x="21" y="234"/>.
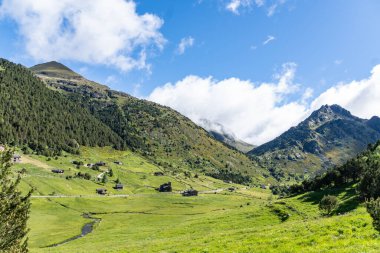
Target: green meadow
<point x="139" y="219"/>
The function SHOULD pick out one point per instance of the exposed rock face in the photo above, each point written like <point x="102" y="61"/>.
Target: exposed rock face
<point x="330" y="136"/>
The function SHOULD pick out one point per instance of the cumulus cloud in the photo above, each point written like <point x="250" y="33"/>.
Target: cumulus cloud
<point x="259" y="112"/>
<point x="361" y="97"/>
<point x="254" y="112"/>
<point x="108" y="32"/>
<point x="184" y="44"/>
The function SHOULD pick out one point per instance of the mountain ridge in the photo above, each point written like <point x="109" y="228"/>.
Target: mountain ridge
<point x="158" y="132"/>
<point x="221" y="133"/>
<point x="328" y="137"/>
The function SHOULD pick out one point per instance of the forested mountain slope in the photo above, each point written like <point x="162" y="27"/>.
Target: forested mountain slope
<point x="35" y="117"/>
<point x="158" y="132"/>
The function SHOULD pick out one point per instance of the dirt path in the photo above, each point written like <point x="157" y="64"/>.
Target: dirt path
<point x="29" y="160"/>
<point x="80" y="196"/>
<point x="117" y="195"/>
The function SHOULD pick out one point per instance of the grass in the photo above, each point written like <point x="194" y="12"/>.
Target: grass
<point x="245" y="220"/>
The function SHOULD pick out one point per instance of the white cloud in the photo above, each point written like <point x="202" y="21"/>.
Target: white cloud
<point x="361" y="98"/>
<point x="184" y="44"/>
<point x="260" y="3"/>
<point x="235" y="5"/>
<point x="257" y="113"/>
<point x="273" y="8"/>
<point x="307" y="95"/>
<point x="269" y="39"/>
<point x="111" y="79"/>
<point x="108" y="32"/>
<point x="253" y="47"/>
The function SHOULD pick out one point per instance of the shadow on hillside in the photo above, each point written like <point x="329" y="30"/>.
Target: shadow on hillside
<point x="348" y="198"/>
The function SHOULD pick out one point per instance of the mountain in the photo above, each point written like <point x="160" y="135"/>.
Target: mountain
<point x="219" y="132"/>
<point x="35" y="117"/>
<point x="329" y="136"/>
<point x="55" y="69"/>
<point x="59" y="77"/>
<point x="159" y="133"/>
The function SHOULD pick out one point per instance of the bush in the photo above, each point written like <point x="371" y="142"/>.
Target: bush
<point x="104" y="179"/>
<point x="328" y="204"/>
<point x="280" y="212"/>
<point x="373" y="208"/>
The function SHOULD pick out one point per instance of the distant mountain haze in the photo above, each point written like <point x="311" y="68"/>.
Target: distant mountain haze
<point x="221" y="133"/>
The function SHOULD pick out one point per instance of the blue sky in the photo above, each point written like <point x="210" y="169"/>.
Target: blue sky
<point x="326" y="42"/>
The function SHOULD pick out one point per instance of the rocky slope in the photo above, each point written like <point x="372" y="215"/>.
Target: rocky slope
<point x="330" y="136"/>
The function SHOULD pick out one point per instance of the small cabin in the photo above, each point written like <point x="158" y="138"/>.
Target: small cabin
<point x="118" y="187"/>
<point x="189" y="193"/>
<point x="16" y="158"/>
<point x="118" y="163"/>
<point x="58" y="171"/>
<point x="263" y="186"/>
<point x="101" y="191"/>
<point x="167" y="187"/>
<point x="100" y="163"/>
<point x="158" y="173"/>
<point x="231" y="189"/>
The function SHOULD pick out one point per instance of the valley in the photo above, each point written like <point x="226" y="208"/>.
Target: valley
<point x="96" y="173"/>
<point x="138" y="218"/>
<point x="225" y="126"/>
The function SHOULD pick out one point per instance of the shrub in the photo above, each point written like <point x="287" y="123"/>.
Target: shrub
<point x="328" y="203"/>
<point x="104" y="179"/>
<point x="280" y="212"/>
<point x="373" y="208"/>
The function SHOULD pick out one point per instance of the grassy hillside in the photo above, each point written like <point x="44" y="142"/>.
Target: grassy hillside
<point x="329" y="137"/>
<point x="159" y="133"/>
<point x="35" y="117"/>
<point x="364" y="170"/>
<point x="138" y="219"/>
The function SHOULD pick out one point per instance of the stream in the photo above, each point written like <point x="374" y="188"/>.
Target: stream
<point x="86" y="229"/>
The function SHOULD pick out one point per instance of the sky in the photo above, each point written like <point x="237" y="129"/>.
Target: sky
<point x="257" y="67"/>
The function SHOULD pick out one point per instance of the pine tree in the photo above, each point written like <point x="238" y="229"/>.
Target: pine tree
<point x="104" y="179"/>
<point x="14" y="209"/>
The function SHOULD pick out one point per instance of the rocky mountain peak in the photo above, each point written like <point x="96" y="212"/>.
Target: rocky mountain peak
<point x="326" y="114"/>
<point x="55" y="69"/>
